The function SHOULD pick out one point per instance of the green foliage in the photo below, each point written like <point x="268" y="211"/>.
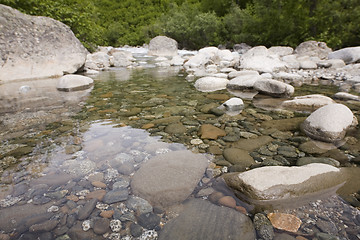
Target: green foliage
<point x="198" y="23"/>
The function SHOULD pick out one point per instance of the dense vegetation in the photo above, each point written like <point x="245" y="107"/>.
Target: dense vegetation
<point x="198" y="23"/>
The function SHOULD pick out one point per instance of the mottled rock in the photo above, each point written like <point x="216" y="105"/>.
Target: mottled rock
<point x="148" y="220"/>
<point x="139" y="205"/>
<point x="36" y="47"/>
<point x="197" y="221"/>
<point x="283" y="221"/>
<point x="263" y="226"/>
<point x="163" y="46"/>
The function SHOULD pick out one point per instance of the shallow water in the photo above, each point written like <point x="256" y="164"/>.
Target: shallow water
<point x="54" y="145"/>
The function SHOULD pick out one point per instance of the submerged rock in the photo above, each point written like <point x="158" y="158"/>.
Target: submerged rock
<point x="169" y="178"/>
<point x="36" y="47"/>
<point x="329" y="123"/>
<point x="278" y="182"/>
<point x="204" y="220"/>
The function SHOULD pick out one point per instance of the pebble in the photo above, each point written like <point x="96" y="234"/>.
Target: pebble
<point x="263" y="227"/>
<point x="107" y="214"/>
<point x="148" y="220"/>
<point x="115" y="225"/>
<point x="283" y="221"/>
<point x="98" y="184"/>
<point x="101" y="226"/>
<point x="53" y="209"/>
<point x="227" y="201"/>
<point x="196" y="141"/>
<point x="86" y="225"/>
<point x="97" y="194"/>
<point x="136" y="230"/>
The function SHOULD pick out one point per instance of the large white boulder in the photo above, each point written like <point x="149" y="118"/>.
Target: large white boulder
<point x="307" y="103"/>
<point x="281" y="51"/>
<point x="259" y="59"/>
<point x="97" y="61"/>
<point x="274" y="88"/>
<point x="169" y="178"/>
<point x="278" y="182"/>
<point x="348" y="55"/>
<point x="235" y="74"/>
<point x="243" y="82"/>
<point x="163" y="46"/>
<point x="121" y="58"/>
<point x="329" y="123"/>
<point x="36" y="47"/>
<point x="210" y="84"/>
<point x="73" y="82"/>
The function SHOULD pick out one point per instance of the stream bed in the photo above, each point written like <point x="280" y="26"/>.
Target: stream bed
<point x="67" y="161"/>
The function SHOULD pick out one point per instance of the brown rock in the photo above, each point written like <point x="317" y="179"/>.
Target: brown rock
<point x="107" y="214"/>
<point x="252" y="144"/>
<point x="208" y="131"/>
<point x="241" y="209"/>
<point x="215" y="196"/>
<point x="148" y="125"/>
<point x="98" y="184"/>
<point x="301" y="238"/>
<point x="98" y="194"/>
<point x="238" y="156"/>
<point x="227" y="201"/>
<point x="285" y="221"/>
<point x="4" y="237"/>
<point x="215" y="150"/>
<point x="72" y="198"/>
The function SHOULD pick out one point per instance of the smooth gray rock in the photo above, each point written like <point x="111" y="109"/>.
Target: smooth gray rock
<point x="307" y="102"/>
<point x="329" y="123"/>
<point x="86" y="210"/>
<point x="274" y="88"/>
<point x="204" y="220"/>
<point x="36" y="47"/>
<point x="163" y="46"/>
<point x="169" y="178"/>
<point x="348" y="55"/>
<point x="116" y="196"/>
<point x="308" y="160"/>
<point x="139" y="205"/>
<point x="278" y="182"/>
<point x="210" y="84"/>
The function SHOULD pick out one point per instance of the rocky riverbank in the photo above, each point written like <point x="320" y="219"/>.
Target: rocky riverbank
<point x="255" y="143"/>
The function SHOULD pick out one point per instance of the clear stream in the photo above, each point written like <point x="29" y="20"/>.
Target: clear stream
<point x="54" y="145"/>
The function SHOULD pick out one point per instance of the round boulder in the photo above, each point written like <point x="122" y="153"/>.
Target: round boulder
<point x="163" y="46"/>
<point x="329" y="123"/>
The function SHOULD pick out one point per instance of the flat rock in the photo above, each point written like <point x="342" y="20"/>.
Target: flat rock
<point x="87" y="209"/>
<point x="329" y="123"/>
<point x="290" y="124"/>
<point x="101" y="225"/>
<point x="283" y="221"/>
<point x="210" y="84"/>
<point x="307" y="103"/>
<point x="198" y="221"/>
<point x="326" y="160"/>
<point x="243" y="82"/>
<point x="36" y="47"/>
<point x="73" y="82"/>
<point x="252" y="144"/>
<point x="274" y="88"/>
<point x="169" y="178"/>
<point x="208" y="131"/>
<point x="278" y="182"/>
<point x="117" y="195"/>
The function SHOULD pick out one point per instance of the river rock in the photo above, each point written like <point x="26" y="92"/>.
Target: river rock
<point x="163" y="46"/>
<point x="76" y="232"/>
<point x="259" y="59"/>
<point x="210" y="84"/>
<point x="197" y="221"/>
<point x="346" y="96"/>
<point x="74" y="82"/>
<point x="243" y="82"/>
<point x="101" y="225"/>
<point x="252" y="144"/>
<point x="313" y="49"/>
<point x="307" y="160"/>
<point x="36" y="47"/>
<point x="241" y="48"/>
<point x="281" y="51"/>
<point x="97" y="61"/>
<point x="329" y="123"/>
<point x="121" y="58"/>
<point x="283" y="221"/>
<point x="86" y="210"/>
<point x="278" y="182"/>
<point x="116" y="196"/>
<point x="238" y="156"/>
<point x="233" y="106"/>
<point x="348" y="55"/>
<point x="263" y="226"/>
<point x="307" y="103"/>
<point x="243" y="73"/>
<point x="139" y="205"/>
<point x="169" y="178"/>
<point x="46" y="226"/>
<point x="274" y="88"/>
<point x="208" y="131"/>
